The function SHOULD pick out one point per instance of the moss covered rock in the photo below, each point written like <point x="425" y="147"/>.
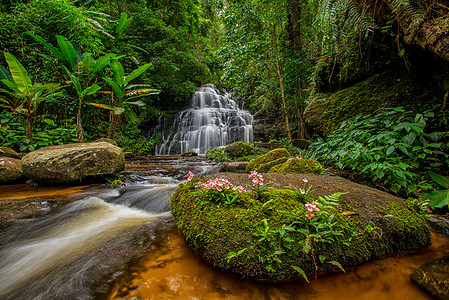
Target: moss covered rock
<point x="8" y="152"/>
<point x="266" y="167"/>
<point x="10" y="169"/>
<point x="238" y="149"/>
<point x="72" y="162"/>
<point x="298" y="166"/>
<point x="268" y="157"/>
<point x="392" y="88"/>
<point x="265" y="240"/>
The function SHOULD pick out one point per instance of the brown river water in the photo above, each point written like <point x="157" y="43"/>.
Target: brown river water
<point x="94" y="242"/>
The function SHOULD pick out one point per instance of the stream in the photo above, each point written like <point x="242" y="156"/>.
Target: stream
<point x="122" y="243"/>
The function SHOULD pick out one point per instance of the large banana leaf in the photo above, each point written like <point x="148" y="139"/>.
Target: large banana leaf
<point x="49" y="46"/>
<point x="11" y="85"/>
<point x="67" y="50"/>
<point x="75" y="82"/>
<point x="115" y="88"/>
<point x="91" y="90"/>
<point x="137" y="72"/>
<point x="118" y="71"/>
<point x="19" y="74"/>
<point x="102" y="62"/>
<point x="104" y="106"/>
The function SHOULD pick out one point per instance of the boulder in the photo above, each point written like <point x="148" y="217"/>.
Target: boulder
<point x="10" y="169"/>
<point x="235" y="166"/>
<point x="273" y="239"/>
<point x="238" y="149"/>
<point x="270" y="156"/>
<point x="72" y="162"/>
<point x="106" y="140"/>
<point x="266" y="167"/>
<point x="434" y="277"/>
<point x="298" y="166"/>
<point x="7" y="152"/>
<point x="189" y="154"/>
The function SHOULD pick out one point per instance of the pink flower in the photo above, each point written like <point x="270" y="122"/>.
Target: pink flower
<point x="311" y="208"/>
<point x="305" y="180"/>
<point x="257" y="178"/>
<point x="303" y="191"/>
<point x="189" y="176"/>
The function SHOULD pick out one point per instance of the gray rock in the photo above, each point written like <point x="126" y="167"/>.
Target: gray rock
<point x="72" y="162"/>
<point x="235" y="166"/>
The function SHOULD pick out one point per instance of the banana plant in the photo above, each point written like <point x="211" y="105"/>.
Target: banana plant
<point x="88" y="69"/>
<point x="123" y="92"/>
<point x="67" y="54"/>
<point x="23" y="94"/>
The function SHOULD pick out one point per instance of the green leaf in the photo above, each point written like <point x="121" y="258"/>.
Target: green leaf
<point x="322" y="258"/>
<point x="67" y="50"/>
<point x="138" y="103"/>
<point x="137" y="72"/>
<point x="441" y="180"/>
<point x="49" y="46"/>
<point x="4" y="74"/>
<point x="301" y="272"/>
<point x="118" y="71"/>
<point x="438" y="198"/>
<point x="102" y="62"/>
<point x="19" y="74"/>
<point x="75" y="82"/>
<point x="390" y="150"/>
<point x="118" y="110"/>
<point x="123" y="23"/>
<point x="336" y="263"/>
<point x="115" y="88"/>
<point x="91" y="90"/>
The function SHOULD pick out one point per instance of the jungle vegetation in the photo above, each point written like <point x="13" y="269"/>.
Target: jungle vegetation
<point x="82" y="62"/>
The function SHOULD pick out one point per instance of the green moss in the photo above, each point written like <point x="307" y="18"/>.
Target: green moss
<point x="299" y="166"/>
<point x="268" y="157"/>
<point x="213" y="230"/>
<point x="238" y="149"/>
<point x="264" y="168"/>
<point x="392" y="88"/>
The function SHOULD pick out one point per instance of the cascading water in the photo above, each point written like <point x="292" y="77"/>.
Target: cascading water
<point x="213" y="120"/>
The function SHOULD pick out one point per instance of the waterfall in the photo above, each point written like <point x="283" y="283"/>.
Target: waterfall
<point x="213" y="120"/>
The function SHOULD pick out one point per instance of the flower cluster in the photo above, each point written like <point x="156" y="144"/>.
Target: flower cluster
<point x="311" y="208"/>
<point x="291" y="158"/>
<point x="257" y="178"/>
<point x="220" y="184"/>
<point x="189" y="176"/>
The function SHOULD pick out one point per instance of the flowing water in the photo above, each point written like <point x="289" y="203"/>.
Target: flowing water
<point x="123" y="244"/>
<point x="212" y="121"/>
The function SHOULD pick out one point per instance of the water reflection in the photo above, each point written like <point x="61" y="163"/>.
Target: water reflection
<point x="175" y="272"/>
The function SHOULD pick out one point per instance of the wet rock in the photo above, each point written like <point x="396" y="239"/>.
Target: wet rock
<point x="189" y="154"/>
<point x="370" y="223"/>
<point x="238" y="149"/>
<point x="440" y="223"/>
<point x="434" y="277"/>
<point x="235" y="166"/>
<point x="7" y="152"/>
<point x="129" y="155"/>
<point x="72" y="162"/>
<point x="10" y="169"/>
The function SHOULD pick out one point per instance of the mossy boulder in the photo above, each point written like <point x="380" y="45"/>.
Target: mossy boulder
<point x="392" y="88"/>
<point x="72" y="162"/>
<point x="8" y="152"/>
<point x="268" y="157"/>
<point x="265" y="239"/>
<point x="266" y="167"/>
<point x="189" y="154"/>
<point x="10" y="169"/>
<point x="298" y="166"/>
<point x="238" y="149"/>
<point x="434" y="277"/>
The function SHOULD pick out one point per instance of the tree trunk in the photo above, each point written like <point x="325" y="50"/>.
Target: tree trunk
<point x="429" y="34"/>
<point x="79" y="127"/>
<point x="29" y="130"/>
<point x="281" y="79"/>
<point x="113" y="126"/>
<point x="294" y="24"/>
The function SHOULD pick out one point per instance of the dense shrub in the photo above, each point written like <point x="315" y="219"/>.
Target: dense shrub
<point x="392" y="146"/>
